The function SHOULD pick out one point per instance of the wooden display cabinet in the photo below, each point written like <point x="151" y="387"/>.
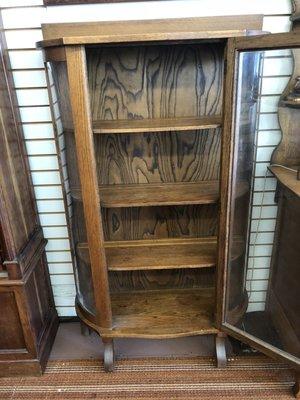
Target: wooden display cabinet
<point x="28" y="319"/>
<point x="148" y="120"/>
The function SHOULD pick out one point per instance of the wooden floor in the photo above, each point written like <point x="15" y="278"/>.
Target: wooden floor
<point x="70" y="344"/>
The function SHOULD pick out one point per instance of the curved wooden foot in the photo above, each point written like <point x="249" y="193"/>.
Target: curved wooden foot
<point x="221" y="350"/>
<point x="109" y="355"/>
<point x="296" y="388"/>
<point x="85" y="330"/>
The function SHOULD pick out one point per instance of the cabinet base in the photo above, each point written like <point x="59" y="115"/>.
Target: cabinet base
<point x="221" y="356"/>
<point x="109" y="355"/>
<point x="32" y="366"/>
<point x="20" y="368"/>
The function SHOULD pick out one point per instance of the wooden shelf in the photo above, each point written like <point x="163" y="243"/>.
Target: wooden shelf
<point x="156" y="194"/>
<point x="163" y="313"/>
<point x="139" y="255"/>
<point x="287" y="178"/>
<point x="157" y="125"/>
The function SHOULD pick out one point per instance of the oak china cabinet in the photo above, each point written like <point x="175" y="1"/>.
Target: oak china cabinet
<point x="159" y="120"/>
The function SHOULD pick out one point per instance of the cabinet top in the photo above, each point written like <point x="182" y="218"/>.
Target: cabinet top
<point x="149" y="30"/>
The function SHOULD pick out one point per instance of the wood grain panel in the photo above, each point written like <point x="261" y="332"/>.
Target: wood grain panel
<point x="157" y="254"/>
<point x="154" y="222"/>
<point x="150" y="30"/>
<point x="11" y="337"/>
<point x="160" y="280"/>
<point x="137" y="223"/>
<point x="162" y="314"/>
<point x="155" y="81"/>
<point x="158" y="157"/>
<point x="156" y="194"/>
<point x="152" y="157"/>
<point x="157" y="124"/>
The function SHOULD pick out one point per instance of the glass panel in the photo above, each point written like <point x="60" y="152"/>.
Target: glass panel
<point x="64" y="126"/>
<point x="261" y="297"/>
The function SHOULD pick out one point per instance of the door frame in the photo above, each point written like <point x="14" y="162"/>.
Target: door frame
<point x="234" y="47"/>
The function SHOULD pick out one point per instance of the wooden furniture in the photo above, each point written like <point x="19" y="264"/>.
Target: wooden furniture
<point x="161" y="237"/>
<point x="283" y="301"/>
<point x="28" y="319"/>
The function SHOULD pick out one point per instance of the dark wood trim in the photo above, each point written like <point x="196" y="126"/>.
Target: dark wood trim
<point x="226" y="173"/>
<point x="29" y="256"/>
<point x="260" y="345"/>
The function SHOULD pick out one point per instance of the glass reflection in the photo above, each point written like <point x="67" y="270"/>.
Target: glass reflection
<point x="263" y="271"/>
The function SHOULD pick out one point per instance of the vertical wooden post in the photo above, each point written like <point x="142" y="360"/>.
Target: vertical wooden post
<point x="225" y="180"/>
<point x="80" y="104"/>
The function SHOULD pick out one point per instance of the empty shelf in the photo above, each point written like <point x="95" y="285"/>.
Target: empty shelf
<point x="156" y="194"/>
<point x="157" y="124"/>
<point x="163" y="313"/>
<point x="157" y="254"/>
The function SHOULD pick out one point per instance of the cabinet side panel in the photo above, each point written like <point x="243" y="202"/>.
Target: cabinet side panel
<point x="11" y="333"/>
<point x="284" y="301"/>
<point x="17" y="211"/>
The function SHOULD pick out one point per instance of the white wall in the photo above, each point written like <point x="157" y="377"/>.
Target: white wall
<point x="22" y="23"/>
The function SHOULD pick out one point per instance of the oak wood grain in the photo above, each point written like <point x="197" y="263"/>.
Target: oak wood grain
<point x="157" y="254"/>
<point x="136" y="223"/>
<point x="168" y="157"/>
<point x="156" y="125"/>
<point x="163" y="279"/>
<point x="76" y="65"/>
<point x="153" y="194"/>
<point x="163" y="314"/>
<point x="149" y="82"/>
<point x="149" y="30"/>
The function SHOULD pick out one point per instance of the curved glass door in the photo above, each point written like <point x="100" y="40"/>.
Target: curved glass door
<point x="261" y="302"/>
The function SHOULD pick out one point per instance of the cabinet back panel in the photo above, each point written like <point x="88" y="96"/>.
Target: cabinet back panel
<point x="135" y="223"/>
<point x="158" y="157"/>
<point x="160" y="222"/>
<point x="164" y="279"/>
<point x="155" y="81"/>
<point x="190" y="156"/>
